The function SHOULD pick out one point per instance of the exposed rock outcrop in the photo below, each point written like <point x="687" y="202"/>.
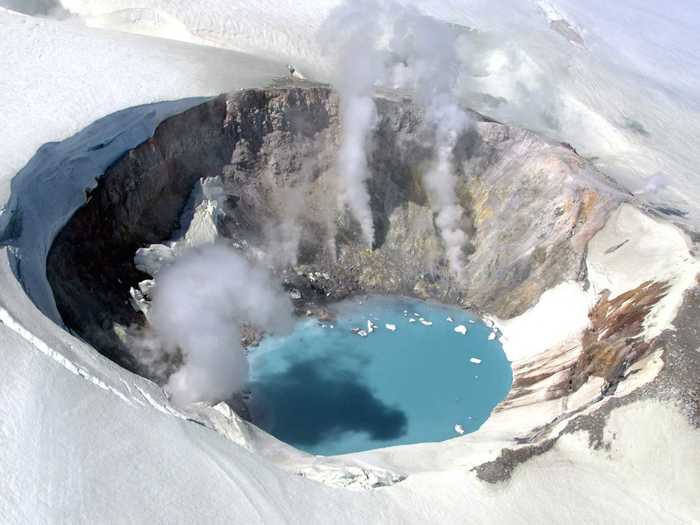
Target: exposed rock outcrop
<point x="614" y="340"/>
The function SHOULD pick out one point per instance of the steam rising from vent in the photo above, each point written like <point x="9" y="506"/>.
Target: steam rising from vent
<point x="353" y="37"/>
<point x="359" y="118"/>
<point x="419" y="53"/>
<point x="429" y="65"/>
<point x="199" y="305"/>
<point x="440" y="182"/>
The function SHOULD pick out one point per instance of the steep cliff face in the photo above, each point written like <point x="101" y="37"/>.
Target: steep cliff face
<point x="531" y="206"/>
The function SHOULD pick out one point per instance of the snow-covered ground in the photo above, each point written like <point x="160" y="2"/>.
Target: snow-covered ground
<point x="83" y="441"/>
<point x="58" y="77"/>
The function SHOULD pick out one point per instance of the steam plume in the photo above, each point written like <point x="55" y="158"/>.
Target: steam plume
<point x="198" y="307"/>
<point x="358" y="119"/>
<point x="424" y="51"/>
<point x="352" y="37"/>
<point x="440" y="181"/>
<point x="430" y="67"/>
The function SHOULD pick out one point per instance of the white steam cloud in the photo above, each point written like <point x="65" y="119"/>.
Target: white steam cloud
<point x="353" y="38"/>
<point x="440" y="182"/>
<point x="358" y="119"/>
<point x="425" y="59"/>
<point x="199" y="305"/>
<point x="430" y="65"/>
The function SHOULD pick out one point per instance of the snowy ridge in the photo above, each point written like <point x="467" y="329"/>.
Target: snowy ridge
<point x="7" y="320"/>
<point x="41" y="346"/>
<point x="665" y="250"/>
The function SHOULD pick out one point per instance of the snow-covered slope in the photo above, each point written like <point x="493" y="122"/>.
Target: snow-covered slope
<point x="58" y="77"/>
<point x="83" y="441"/>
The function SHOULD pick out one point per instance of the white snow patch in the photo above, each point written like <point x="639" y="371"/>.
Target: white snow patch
<point x="634" y="248"/>
<point x="547" y="324"/>
<point x="7" y="320"/>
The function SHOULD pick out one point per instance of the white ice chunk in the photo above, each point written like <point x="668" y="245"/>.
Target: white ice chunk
<point x="138" y="302"/>
<point x="425" y="323"/>
<point x="391" y="327"/>
<point x="475" y="360"/>
<point x="492" y="336"/>
<point x="146" y="287"/>
<point x="152" y="258"/>
<point x="459" y="429"/>
<point x="450" y="320"/>
<point x="461" y="329"/>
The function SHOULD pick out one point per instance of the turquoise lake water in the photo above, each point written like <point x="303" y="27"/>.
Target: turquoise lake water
<point x="327" y="390"/>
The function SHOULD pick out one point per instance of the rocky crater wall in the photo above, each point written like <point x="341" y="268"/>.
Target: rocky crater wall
<point x="531" y="206"/>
